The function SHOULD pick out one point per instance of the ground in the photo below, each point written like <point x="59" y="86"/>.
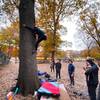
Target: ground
<point x="9" y="73"/>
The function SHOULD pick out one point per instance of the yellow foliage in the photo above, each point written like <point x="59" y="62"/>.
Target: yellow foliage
<point x="82" y="17"/>
<point x="93" y="21"/>
<point x="15" y="52"/>
<point x="94" y="52"/>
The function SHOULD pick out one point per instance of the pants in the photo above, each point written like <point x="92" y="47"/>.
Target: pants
<point x="98" y="97"/>
<point x="41" y="38"/>
<point x="71" y="79"/>
<point x="92" y="91"/>
<point x="52" y="68"/>
<point x="58" y="74"/>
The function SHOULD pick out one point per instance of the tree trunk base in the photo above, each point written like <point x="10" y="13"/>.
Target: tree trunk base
<point x="19" y="89"/>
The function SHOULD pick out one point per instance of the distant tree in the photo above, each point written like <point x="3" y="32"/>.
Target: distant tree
<point x="9" y="37"/>
<point x="61" y="54"/>
<point x="48" y="44"/>
<point x="87" y="41"/>
<point x="50" y="15"/>
<point x="89" y="21"/>
<point x="11" y="7"/>
<point x="95" y="53"/>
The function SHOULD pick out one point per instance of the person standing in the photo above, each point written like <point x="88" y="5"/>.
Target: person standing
<point x="52" y="66"/>
<point x="71" y="70"/>
<point x="98" y="96"/>
<point x="91" y="72"/>
<point x="58" y="66"/>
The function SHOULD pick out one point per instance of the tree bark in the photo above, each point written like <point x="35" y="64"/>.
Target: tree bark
<point x="54" y="32"/>
<point x="27" y="79"/>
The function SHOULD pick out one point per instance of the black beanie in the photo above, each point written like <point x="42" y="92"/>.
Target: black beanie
<point x="90" y="61"/>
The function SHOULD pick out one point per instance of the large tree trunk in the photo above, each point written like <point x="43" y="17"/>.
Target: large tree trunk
<point x="53" y="55"/>
<point x="53" y="47"/>
<point x="27" y="78"/>
<point x="54" y="32"/>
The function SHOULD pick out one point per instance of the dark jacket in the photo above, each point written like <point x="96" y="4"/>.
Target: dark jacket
<point x="71" y="68"/>
<point x="58" y="66"/>
<point x="92" y="75"/>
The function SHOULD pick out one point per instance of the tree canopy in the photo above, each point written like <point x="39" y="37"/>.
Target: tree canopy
<point x="89" y="20"/>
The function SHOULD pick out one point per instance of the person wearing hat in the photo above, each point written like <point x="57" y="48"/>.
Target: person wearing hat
<point x="91" y="72"/>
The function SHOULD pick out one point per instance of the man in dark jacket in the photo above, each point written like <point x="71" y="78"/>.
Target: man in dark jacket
<point x="98" y="96"/>
<point x="91" y="73"/>
<point x="58" y="69"/>
<point x="71" y="70"/>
